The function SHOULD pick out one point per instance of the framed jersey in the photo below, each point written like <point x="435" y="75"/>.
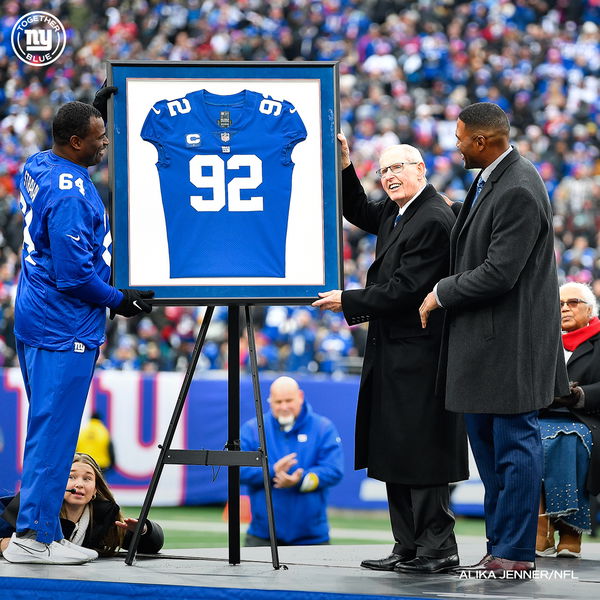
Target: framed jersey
<point x="226" y="180"/>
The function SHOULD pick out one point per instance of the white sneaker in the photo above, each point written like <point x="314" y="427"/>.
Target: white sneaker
<point x="87" y="552"/>
<point x="27" y="550"/>
<point x="567" y="553"/>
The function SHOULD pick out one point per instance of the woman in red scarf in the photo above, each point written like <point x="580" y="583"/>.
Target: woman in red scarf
<point x="570" y="430"/>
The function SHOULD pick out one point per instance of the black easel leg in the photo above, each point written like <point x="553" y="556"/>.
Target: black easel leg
<point x="233" y="430"/>
<point x="166" y="446"/>
<point x="261" y="437"/>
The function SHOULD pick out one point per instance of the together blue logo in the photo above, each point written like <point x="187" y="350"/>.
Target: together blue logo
<point x="38" y="38"/>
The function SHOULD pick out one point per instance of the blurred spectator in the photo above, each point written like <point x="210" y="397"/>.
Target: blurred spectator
<point x="407" y="69"/>
<point x="301" y="355"/>
<point x="335" y="344"/>
<point x="306" y="460"/>
<point x="94" y="440"/>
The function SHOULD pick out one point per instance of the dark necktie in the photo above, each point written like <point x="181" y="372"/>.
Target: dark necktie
<point x="478" y="188"/>
<point x="397" y="219"/>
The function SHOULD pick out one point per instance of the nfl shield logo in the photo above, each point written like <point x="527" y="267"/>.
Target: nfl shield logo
<point x="225" y="136"/>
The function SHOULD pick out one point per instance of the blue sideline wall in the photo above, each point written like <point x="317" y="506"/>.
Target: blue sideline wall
<point x="137" y="409"/>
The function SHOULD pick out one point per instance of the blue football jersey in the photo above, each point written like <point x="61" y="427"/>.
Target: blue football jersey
<point x="66" y="243"/>
<point x="225" y="171"/>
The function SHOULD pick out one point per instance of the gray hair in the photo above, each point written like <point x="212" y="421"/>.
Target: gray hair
<point x="410" y="153"/>
<point x="586" y="293"/>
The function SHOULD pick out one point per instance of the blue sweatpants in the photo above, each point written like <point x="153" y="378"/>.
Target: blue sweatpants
<point x="57" y="384"/>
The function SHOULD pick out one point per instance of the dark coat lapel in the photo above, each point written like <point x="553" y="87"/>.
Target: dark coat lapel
<point x="487" y="188"/>
<point x="580" y="351"/>
<point x="406" y="217"/>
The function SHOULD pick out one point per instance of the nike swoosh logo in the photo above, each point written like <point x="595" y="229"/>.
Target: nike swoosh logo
<point x="135" y="303"/>
<point x="76" y="239"/>
<point x="45" y="550"/>
<point x="156" y="111"/>
<point x="293" y="110"/>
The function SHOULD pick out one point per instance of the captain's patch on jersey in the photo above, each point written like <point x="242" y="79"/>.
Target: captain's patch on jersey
<point x="193" y="140"/>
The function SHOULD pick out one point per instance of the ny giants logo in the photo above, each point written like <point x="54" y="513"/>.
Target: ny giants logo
<point x="38" y="38"/>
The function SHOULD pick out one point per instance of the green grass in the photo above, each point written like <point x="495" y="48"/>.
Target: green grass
<point x="180" y="513"/>
<point x="204" y="527"/>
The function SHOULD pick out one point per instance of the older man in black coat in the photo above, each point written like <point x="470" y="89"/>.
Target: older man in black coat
<point x="404" y="436"/>
<point x="502" y="332"/>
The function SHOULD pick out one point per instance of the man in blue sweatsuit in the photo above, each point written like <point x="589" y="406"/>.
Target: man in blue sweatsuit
<point x="60" y="315"/>
<point x="305" y="456"/>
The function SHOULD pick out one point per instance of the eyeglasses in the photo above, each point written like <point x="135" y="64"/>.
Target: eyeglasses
<point x="395" y="168"/>
<point x="572" y="302"/>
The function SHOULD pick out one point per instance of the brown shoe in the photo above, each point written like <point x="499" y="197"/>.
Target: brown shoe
<point x="569" y="541"/>
<point x="505" y="568"/>
<point x="544" y="541"/>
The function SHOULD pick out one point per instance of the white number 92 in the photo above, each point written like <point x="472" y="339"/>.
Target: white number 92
<point x="229" y="194"/>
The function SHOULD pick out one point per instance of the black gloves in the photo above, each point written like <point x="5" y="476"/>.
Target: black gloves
<point x="101" y="99"/>
<point x="133" y="303"/>
<point x="574" y="397"/>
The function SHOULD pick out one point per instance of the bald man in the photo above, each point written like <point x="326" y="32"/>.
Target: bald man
<point x="305" y="459"/>
<point x="404" y="436"/>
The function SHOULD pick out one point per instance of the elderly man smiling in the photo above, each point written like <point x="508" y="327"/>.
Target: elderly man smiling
<point x="403" y="434"/>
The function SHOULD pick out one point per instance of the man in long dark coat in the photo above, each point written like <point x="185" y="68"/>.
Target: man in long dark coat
<point x="404" y="436"/>
<point x="503" y="351"/>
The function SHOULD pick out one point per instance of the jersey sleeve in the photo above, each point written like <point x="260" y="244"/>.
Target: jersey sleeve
<point x="71" y="237"/>
<point x="154" y="126"/>
<point x="293" y="129"/>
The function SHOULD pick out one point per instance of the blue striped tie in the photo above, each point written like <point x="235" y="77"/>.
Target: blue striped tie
<point x="397" y="219"/>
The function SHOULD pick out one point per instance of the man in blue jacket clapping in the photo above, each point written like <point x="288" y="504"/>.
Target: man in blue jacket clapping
<point x="306" y="459"/>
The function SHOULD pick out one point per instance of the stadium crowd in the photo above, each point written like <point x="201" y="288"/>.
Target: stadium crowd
<point x="407" y="68"/>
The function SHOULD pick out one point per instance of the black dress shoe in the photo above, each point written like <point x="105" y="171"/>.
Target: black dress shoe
<point x="385" y="564"/>
<point x="428" y="564"/>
